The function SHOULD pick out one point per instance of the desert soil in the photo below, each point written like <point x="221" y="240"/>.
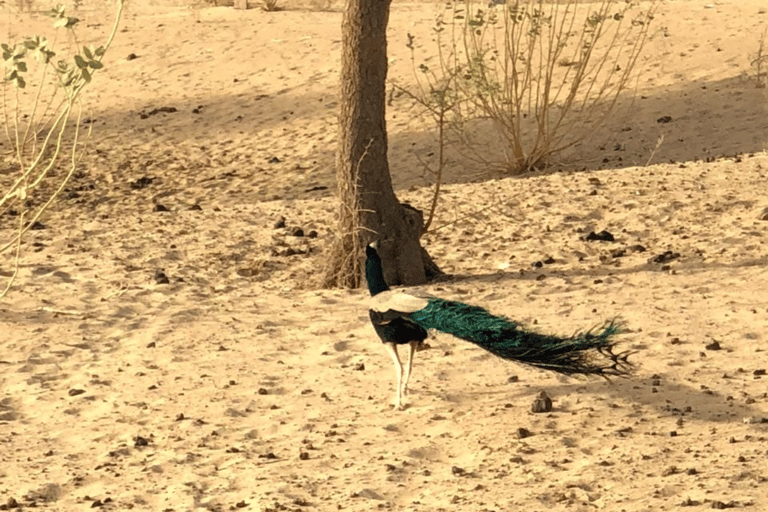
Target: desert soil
<point x="165" y="346"/>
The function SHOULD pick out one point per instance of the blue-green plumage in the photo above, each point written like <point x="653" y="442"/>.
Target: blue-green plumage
<point x="579" y="354"/>
<point x="400" y="318"/>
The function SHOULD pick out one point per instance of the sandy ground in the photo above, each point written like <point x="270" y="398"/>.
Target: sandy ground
<point x="238" y="385"/>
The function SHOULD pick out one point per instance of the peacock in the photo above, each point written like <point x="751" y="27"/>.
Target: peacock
<point x="401" y="318"/>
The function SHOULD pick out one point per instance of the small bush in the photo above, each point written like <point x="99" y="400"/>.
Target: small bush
<point x="538" y="77"/>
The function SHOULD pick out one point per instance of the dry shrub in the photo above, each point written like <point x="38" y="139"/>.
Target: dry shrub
<point x="534" y="78"/>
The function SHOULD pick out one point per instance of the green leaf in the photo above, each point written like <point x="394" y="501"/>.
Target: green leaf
<point x="100" y="51"/>
<point x="86" y="75"/>
<point x="71" y="22"/>
<point x="11" y="75"/>
<point x="21" y="66"/>
<point x="44" y="56"/>
<point x="80" y="62"/>
<point x="20" y="82"/>
<point x="95" y="64"/>
<point x="87" y="53"/>
<point x="60" y="23"/>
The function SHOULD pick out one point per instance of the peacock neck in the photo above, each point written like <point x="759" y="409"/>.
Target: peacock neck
<point x="374" y="274"/>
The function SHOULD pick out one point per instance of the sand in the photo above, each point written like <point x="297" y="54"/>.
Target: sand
<point x="237" y="384"/>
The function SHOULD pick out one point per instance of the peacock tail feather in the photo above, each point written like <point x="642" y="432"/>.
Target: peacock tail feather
<point x="589" y="352"/>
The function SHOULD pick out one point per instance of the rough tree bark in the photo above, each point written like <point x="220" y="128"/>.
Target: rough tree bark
<point x="369" y="208"/>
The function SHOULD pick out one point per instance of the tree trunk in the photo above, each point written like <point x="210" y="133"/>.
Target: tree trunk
<point x="369" y="208"/>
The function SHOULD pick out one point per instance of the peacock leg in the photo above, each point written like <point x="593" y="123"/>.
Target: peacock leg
<point x="392" y="349"/>
<point x="409" y="366"/>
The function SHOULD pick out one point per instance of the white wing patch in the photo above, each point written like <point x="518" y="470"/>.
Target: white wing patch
<point x="397" y="301"/>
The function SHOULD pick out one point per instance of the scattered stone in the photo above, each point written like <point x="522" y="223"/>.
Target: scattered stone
<point x="603" y="236"/>
<point x="280" y="223"/>
<point x="303" y="455"/>
<point x="715" y="345"/>
<point x="664" y="119"/>
<point x="273" y="160"/>
<point x="161" y="278"/>
<point x="140" y="441"/>
<point x="359" y="367"/>
<point x="513" y="378"/>
<point x="312" y="234"/>
<point x="618" y="253"/>
<point x="263" y="391"/>
<point x="759" y="373"/>
<point x="155" y="111"/>
<point x="542" y="403"/>
<point x="142" y="182"/>
<point x="671" y="470"/>
<point x="457" y="471"/>
<point x="196" y="207"/>
<point x="75" y="392"/>
<point x="132" y="56"/>
<point x="296" y="231"/>
<point x="664" y="257"/>
<point x="160" y="208"/>
<point x="522" y="433"/>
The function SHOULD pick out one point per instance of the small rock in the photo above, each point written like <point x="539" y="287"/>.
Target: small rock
<point x="542" y="403"/>
<point x="280" y="223"/>
<point x="664" y="257"/>
<point x="297" y="231"/>
<point x="161" y="278"/>
<point x="715" y="345"/>
<point x="457" y="471"/>
<point x="603" y="236"/>
<point x="671" y="470"/>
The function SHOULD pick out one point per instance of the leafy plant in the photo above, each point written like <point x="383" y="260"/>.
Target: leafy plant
<point x="539" y="76"/>
<point x="37" y="133"/>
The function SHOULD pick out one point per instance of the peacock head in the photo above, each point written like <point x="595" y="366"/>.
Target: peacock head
<point x="372" y="248"/>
